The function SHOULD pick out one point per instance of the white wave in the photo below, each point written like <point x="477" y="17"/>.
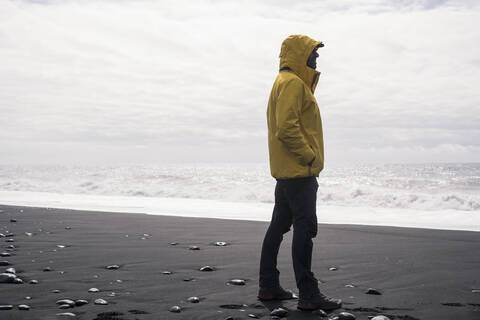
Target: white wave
<point x="420" y="187"/>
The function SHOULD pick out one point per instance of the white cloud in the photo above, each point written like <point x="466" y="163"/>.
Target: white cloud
<point x="170" y="76"/>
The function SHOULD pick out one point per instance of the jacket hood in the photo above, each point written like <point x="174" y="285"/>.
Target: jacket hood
<point x="294" y="54"/>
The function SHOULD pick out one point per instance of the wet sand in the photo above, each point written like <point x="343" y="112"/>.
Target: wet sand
<point x="421" y="273"/>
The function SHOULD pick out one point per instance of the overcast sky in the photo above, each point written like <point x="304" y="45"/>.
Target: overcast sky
<point x="117" y="81"/>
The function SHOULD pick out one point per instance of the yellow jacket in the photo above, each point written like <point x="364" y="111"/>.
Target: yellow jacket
<point x="295" y="136"/>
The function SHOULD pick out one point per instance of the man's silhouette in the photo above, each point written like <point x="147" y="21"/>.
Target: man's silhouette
<point x="295" y="142"/>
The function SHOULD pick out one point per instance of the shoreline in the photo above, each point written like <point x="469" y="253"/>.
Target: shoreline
<point x="248" y="211"/>
<point x="416" y="270"/>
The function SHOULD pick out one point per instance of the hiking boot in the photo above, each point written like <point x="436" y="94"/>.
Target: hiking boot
<point x="319" y="301"/>
<point x="278" y="293"/>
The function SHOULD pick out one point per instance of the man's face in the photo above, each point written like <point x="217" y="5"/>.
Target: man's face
<point x="312" y="59"/>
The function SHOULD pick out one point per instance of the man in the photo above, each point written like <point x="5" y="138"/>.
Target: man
<point x="295" y="142"/>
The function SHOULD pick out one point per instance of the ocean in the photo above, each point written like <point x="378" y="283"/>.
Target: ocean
<point x="449" y="188"/>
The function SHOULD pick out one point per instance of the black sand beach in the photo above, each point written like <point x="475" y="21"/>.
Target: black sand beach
<point x="421" y="273"/>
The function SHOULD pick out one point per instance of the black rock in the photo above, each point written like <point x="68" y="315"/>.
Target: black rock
<point x="344" y="316"/>
<point x="113" y="267"/>
<point x="193" y="300"/>
<point x="101" y="301"/>
<point x="4" y="263"/>
<point x="11" y="270"/>
<point x="175" y="309"/>
<point x="80" y="302"/>
<point x="237" y="282"/>
<point x="23" y="307"/>
<point x="46" y="269"/>
<point x="194" y="248"/>
<point x="33" y="281"/>
<point x="13" y="220"/>
<point x="207" y="268"/>
<point x="279" y="312"/>
<point x="188" y="279"/>
<point x="56" y="291"/>
<point x="320" y="313"/>
<point x="68" y="302"/>
<point x="11" y="246"/>
<point x="17" y="281"/>
<point x="7" y="278"/>
<point x="66" y="315"/>
<point x="6" y="307"/>
<point x="373" y="291"/>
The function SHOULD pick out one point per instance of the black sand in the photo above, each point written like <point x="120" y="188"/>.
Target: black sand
<point x="421" y="273"/>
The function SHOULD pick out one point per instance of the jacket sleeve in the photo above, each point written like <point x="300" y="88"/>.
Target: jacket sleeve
<point x="289" y="107"/>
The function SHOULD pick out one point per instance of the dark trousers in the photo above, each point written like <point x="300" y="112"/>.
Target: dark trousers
<point x="295" y="203"/>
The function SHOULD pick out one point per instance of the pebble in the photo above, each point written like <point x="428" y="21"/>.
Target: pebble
<point x="46" y="269"/>
<point x="229" y="318"/>
<point x="279" y="312"/>
<point x="194" y="248"/>
<point x="28" y="298"/>
<point x="2" y="235"/>
<point x="5" y="254"/>
<point x="68" y="302"/>
<point x="33" y="281"/>
<point x="112" y="294"/>
<point x="175" y="309"/>
<point x="68" y="228"/>
<point x="93" y="290"/>
<point x="66" y="315"/>
<point x="333" y="268"/>
<point x="13" y="220"/>
<point x="29" y="234"/>
<point x="119" y="281"/>
<point x="101" y="301"/>
<point x="344" y="316"/>
<point x="80" y="302"/>
<point x="237" y="282"/>
<point x="7" y="278"/>
<point x="56" y="291"/>
<point x="380" y="317"/>
<point x="173" y="243"/>
<point x="4" y="263"/>
<point x="473" y="290"/>
<point x="167" y="272"/>
<point x="11" y="270"/>
<point x="61" y="246"/>
<point x="251" y="315"/>
<point x="65" y="306"/>
<point x="320" y="313"/>
<point x="11" y="246"/>
<point x="10" y="240"/>
<point x="23" y="307"/>
<point x="188" y="279"/>
<point x="17" y="281"/>
<point x="193" y="300"/>
<point x="6" y="307"/>
<point x="349" y="286"/>
<point x="206" y="268"/>
<point x="113" y="267"/>
<point x="373" y="291"/>
<point x="220" y="243"/>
